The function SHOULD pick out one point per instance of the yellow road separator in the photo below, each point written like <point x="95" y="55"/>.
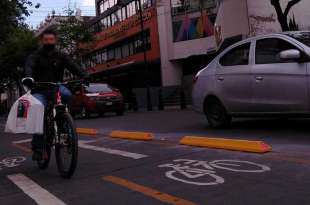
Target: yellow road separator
<point x="145" y="136"/>
<point x="229" y="144"/>
<point x="166" y="198"/>
<point x="87" y="131"/>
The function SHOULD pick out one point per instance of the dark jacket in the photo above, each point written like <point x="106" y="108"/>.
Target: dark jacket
<point x="45" y="66"/>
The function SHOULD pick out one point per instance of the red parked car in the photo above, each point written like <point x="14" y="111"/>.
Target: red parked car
<point x="97" y="98"/>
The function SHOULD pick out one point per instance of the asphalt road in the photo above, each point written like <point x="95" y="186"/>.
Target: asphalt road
<point x="114" y="171"/>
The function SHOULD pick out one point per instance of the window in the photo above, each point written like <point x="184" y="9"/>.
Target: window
<point x="131" y="9"/>
<point x="268" y="50"/>
<point x="237" y="56"/>
<point x="111" y="54"/>
<point x="114" y="19"/>
<point x="118" y="52"/>
<point x="101" y="7"/>
<point x="124" y="13"/>
<point x="303" y="37"/>
<point x="125" y="50"/>
<point x="97" y="88"/>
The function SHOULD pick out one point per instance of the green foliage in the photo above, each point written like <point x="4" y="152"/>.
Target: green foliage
<point x="16" y="40"/>
<point x="71" y="33"/>
<point x="18" y="46"/>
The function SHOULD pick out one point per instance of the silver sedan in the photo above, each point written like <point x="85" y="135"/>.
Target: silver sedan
<point x="260" y="76"/>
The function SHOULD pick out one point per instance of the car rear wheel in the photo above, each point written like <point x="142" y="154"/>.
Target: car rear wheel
<point x="216" y="114"/>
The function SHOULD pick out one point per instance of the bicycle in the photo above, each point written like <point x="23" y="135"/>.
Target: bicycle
<point x="59" y="131"/>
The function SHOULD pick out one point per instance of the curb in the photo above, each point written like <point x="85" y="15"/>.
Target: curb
<point x="144" y="136"/>
<point x="228" y="144"/>
<point x="87" y="131"/>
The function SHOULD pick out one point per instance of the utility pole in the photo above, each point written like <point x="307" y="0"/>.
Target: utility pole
<point x="147" y="80"/>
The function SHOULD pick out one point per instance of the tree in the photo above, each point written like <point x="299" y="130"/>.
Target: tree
<point x="283" y="15"/>
<point x="72" y="32"/>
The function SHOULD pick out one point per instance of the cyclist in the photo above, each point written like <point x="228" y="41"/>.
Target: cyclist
<point x="47" y="64"/>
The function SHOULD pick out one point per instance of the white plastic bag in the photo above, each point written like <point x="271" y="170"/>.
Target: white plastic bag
<point x="26" y="116"/>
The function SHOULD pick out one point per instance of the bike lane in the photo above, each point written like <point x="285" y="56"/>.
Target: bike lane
<point x="267" y="179"/>
<point x="286" y="182"/>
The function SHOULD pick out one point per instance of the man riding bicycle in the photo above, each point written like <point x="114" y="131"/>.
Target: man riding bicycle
<point x="47" y="64"/>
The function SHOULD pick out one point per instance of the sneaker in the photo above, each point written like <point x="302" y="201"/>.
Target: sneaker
<point x="37" y="156"/>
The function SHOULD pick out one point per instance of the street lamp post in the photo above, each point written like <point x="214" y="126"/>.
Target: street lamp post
<point x="148" y="91"/>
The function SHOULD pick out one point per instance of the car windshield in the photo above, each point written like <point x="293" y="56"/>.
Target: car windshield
<point x="98" y="88"/>
<point x="303" y="37"/>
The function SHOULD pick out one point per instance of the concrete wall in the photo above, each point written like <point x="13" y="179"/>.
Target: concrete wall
<point x="263" y="18"/>
<point x="232" y="18"/>
<point x="171" y="72"/>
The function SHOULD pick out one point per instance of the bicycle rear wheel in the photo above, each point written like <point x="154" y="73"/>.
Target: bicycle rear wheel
<point x="66" y="150"/>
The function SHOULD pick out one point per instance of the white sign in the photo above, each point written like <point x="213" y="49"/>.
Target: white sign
<point x="11" y="162"/>
<point x="203" y="173"/>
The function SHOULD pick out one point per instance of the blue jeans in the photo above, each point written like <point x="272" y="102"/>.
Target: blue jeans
<point x="66" y="95"/>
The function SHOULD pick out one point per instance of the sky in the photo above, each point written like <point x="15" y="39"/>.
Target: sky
<point x="38" y="15"/>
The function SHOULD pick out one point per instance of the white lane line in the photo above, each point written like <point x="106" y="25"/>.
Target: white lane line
<point x="33" y="190"/>
<point x="21" y="141"/>
<point x="83" y="144"/>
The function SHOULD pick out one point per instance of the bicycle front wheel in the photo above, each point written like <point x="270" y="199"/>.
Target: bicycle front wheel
<point x="66" y="149"/>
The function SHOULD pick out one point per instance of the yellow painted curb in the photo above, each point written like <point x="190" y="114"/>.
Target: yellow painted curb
<point x="229" y="144"/>
<point x="146" y="136"/>
<point x="86" y="131"/>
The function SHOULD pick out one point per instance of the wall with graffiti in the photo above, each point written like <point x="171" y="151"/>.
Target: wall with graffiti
<point x="269" y="16"/>
<point x="193" y="27"/>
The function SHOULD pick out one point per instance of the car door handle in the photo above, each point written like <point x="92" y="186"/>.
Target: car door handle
<point x="259" y="78"/>
<point x="220" y="78"/>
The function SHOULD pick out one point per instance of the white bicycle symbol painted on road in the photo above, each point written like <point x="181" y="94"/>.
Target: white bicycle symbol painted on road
<point x="202" y="173"/>
<point x="11" y="162"/>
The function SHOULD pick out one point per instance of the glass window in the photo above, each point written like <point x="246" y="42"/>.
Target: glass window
<point x="104" y="56"/>
<point x="125" y="49"/>
<point x="237" y="56"/>
<point x="303" y="37"/>
<point x="119" y="15"/>
<point x="106" y="5"/>
<point x="118" y="52"/>
<point x="101" y="7"/>
<point x="124" y="13"/>
<point x="108" y="21"/>
<point x="268" y="50"/>
<point x="138" y="45"/>
<point x="97" y="88"/>
<point x="111" y="54"/>
<point x="131" y="47"/>
<point x="113" y="19"/>
<point x="131" y="9"/>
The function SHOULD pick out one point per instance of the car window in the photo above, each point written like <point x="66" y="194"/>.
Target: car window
<point x="98" y="88"/>
<point x="237" y="56"/>
<point x="303" y="37"/>
<point x="268" y="51"/>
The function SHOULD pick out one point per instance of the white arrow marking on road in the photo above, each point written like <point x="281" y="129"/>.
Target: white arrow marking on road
<point x="33" y="190"/>
<point x="83" y="144"/>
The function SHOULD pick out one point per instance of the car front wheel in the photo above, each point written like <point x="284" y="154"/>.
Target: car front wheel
<point x="216" y="114"/>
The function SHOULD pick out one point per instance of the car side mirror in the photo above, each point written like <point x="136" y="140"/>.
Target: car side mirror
<point x="291" y="54"/>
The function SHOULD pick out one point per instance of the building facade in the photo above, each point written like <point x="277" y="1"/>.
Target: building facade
<point x="182" y="36"/>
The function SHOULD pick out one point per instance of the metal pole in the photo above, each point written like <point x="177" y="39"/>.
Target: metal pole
<point x="148" y="91"/>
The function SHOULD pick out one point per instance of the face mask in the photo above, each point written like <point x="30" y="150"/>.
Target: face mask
<point x="49" y="47"/>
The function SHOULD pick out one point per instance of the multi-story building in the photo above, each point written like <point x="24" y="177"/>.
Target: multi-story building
<point x="182" y="36"/>
<point x="117" y="57"/>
